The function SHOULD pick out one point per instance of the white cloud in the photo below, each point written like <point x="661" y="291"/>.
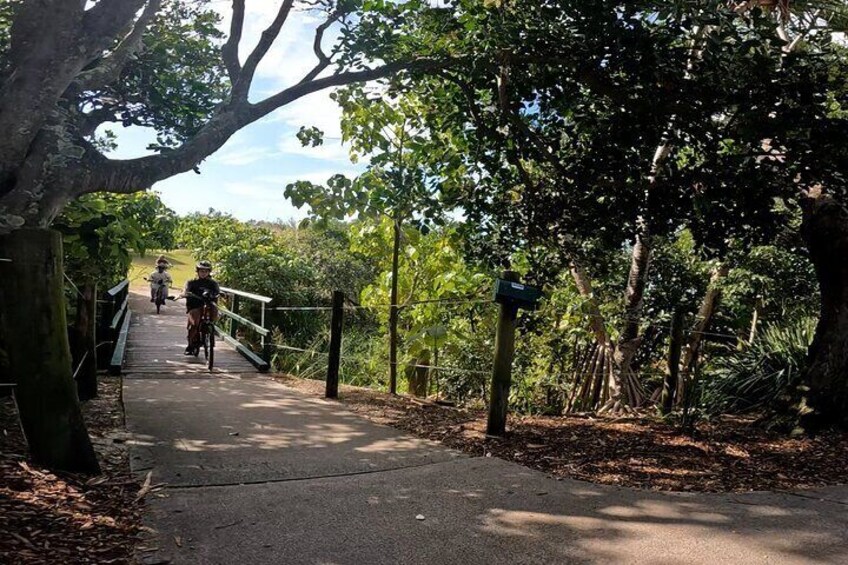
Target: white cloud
<point x="240" y="156"/>
<point x="316" y="110"/>
<point x="252" y="191"/>
<point x="316" y="177"/>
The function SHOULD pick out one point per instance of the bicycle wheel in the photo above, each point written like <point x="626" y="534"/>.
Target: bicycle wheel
<point x="211" y="357"/>
<point x="205" y="336"/>
<point x="160" y="298"/>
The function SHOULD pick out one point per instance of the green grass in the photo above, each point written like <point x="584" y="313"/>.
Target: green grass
<point x="182" y="266"/>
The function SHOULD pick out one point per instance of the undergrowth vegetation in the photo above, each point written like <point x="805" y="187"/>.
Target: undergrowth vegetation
<point x="750" y="356"/>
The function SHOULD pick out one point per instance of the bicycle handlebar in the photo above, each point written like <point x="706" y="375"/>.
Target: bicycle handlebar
<point x="206" y="296"/>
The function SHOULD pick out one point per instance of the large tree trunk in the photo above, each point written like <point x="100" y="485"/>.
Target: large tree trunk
<point x="34" y="331"/>
<point x="825" y="231"/>
<point x="85" y="355"/>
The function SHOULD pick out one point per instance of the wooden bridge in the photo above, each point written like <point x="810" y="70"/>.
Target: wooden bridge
<point x="147" y="343"/>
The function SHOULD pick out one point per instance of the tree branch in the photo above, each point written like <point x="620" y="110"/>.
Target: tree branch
<point x="92" y="120"/>
<point x="265" y="107"/>
<point x="230" y="49"/>
<point x="324" y="60"/>
<point x="105" y="21"/>
<point x="109" y="69"/>
<point x="133" y="175"/>
<point x="242" y="86"/>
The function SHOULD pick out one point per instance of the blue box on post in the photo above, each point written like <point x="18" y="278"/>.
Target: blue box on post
<point x="518" y="294"/>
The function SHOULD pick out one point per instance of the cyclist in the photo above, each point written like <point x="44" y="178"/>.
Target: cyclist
<point x="160" y="279"/>
<point x="194" y="290"/>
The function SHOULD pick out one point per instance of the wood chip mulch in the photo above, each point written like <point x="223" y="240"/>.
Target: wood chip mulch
<point x="48" y="517"/>
<point x="727" y="455"/>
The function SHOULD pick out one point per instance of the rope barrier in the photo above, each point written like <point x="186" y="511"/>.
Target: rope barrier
<point x="301" y="308"/>
<point x="290" y="348"/>
<point x="67" y="278"/>
<point x="453" y="369"/>
<point x="663" y="326"/>
<point x="468" y="300"/>
<point x="82" y="361"/>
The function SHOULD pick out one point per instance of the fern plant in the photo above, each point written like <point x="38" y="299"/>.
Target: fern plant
<point x="761" y="373"/>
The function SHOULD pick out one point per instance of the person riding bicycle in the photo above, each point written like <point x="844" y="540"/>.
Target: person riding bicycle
<point x="160" y="278"/>
<point x="194" y="292"/>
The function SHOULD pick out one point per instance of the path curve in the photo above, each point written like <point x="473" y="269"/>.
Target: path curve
<point x="254" y="472"/>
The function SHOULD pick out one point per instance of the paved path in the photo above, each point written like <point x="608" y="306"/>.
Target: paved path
<point x="257" y="473"/>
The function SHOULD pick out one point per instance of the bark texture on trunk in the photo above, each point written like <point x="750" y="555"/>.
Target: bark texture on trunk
<point x="34" y="328"/>
<point x="629" y="341"/>
<point x="825" y="232"/>
<point x="584" y="287"/>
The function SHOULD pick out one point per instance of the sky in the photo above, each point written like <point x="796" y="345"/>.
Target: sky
<point x="248" y="175"/>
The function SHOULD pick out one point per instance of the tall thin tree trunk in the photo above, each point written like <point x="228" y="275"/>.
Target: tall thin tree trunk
<point x="755" y="319"/>
<point x="584" y="287"/>
<point x="706" y="312"/>
<point x="671" y="379"/>
<point x="629" y="340"/>
<point x="825" y="232"/>
<point x="393" y="310"/>
<point x="34" y="328"/>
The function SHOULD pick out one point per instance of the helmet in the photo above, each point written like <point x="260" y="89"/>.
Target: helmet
<point x="203" y="265"/>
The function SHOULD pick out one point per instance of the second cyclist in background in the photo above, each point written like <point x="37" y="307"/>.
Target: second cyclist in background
<point x="160" y="279"/>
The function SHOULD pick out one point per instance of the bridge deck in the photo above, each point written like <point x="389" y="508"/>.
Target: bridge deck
<point x="157" y="341"/>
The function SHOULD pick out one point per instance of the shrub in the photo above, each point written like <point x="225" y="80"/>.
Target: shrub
<point x="761" y="373"/>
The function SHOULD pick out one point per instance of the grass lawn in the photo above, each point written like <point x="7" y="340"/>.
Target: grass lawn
<point x="182" y="266"/>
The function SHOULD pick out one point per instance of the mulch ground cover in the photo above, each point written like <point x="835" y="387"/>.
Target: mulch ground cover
<point x="48" y="517"/>
<point x="725" y="455"/>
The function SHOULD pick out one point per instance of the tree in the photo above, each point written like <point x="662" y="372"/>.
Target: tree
<point x="608" y="122"/>
<point x="395" y="186"/>
<point x="67" y="68"/>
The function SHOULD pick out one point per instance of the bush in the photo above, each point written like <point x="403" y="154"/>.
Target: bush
<point x="760" y="374"/>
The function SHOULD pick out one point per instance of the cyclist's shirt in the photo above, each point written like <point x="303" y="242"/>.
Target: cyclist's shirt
<point x="156" y="278"/>
<point x="197" y="287"/>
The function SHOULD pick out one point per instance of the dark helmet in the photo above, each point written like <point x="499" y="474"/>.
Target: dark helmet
<point x="203" y="265"/>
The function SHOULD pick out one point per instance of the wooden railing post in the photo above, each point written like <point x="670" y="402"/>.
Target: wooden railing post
<point x="336" y="324"/>
<point x="103" y="332"/>
<point x="235" y="310"/>
<point x="502" y="372"/>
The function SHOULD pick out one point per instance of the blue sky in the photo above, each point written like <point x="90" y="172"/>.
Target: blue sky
<point x="248" y="175"/>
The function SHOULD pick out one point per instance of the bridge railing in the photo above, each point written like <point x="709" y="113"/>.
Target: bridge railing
<point x="236" y="319"/>
<point x="113" y="315"/>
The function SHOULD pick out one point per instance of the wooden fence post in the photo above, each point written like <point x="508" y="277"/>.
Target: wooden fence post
<point x="671" y="377"/>
<point x="86" y="341"/>
<point x="105" y="310"/>
<point x="336" y="324"/>
<point x="234" y="310"/>
<point x="502" y="372"/>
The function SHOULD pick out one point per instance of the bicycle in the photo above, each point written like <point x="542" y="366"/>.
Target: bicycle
<point x="161" y="295"/>
<point x="207" y="327"/>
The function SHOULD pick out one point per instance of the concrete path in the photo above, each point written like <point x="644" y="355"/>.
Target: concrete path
<point x="257" y="473"/>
